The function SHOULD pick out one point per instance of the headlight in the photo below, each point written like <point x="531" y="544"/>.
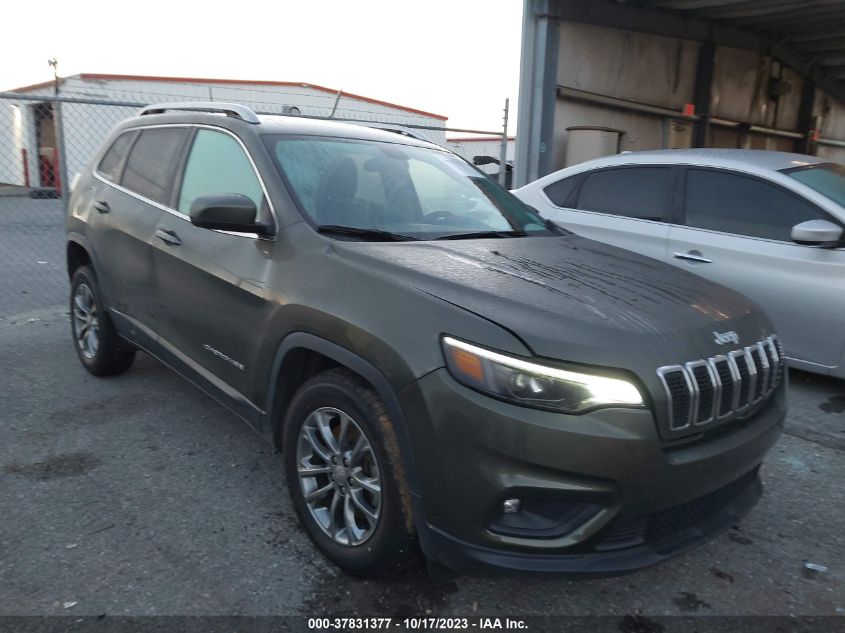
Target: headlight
<point x="534" y="385"/>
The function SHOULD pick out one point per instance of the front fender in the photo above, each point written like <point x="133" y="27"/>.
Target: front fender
<point x="370" y="373"/>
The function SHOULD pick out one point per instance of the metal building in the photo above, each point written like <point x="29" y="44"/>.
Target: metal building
<point x="92" y="103"/>
<point x="650" y="74"/>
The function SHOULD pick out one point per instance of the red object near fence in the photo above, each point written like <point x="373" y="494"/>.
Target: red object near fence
<point x="56" y="174"/>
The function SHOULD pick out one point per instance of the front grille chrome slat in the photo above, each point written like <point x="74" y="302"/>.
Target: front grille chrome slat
<point x="679" y="389"/>
<point x="702" y="391"/>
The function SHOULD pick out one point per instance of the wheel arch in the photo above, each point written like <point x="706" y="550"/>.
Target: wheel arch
<point x="78" y="252"/>
<point x="299" y="356"/>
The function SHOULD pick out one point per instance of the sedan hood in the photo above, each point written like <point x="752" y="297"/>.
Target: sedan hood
<point x="572" y="299"/>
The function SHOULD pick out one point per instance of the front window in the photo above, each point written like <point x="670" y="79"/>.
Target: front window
<point x="827" y="179"/>
<point x="415" y="192"/>
<point x="742" y="205"/>
<point x="217" y="164"/>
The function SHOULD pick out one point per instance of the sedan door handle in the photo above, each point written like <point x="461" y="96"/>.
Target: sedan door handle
<point x="168" y="237"/>
<point x="693" y="256"/>
<point x="102" y="206"/>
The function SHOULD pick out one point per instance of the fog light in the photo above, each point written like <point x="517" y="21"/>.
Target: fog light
<point x="541" y="517"/>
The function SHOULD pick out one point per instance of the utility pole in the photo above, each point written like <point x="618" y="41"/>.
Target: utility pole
<point x="54" y="62"/>
<point x="503" y="153"/>
<point x="336" y="101"/>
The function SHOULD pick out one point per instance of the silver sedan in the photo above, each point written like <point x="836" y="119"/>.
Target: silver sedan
<point x="768" y="224"/>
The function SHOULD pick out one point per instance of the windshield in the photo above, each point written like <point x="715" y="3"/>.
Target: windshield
<point x="828" y="179"/>
<point x="416" y="192"/>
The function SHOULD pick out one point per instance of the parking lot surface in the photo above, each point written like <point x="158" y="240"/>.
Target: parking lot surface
<point x="139" y="495"/>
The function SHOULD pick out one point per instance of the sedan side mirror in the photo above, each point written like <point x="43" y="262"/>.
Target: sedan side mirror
<point x="226" y="212"/>
<point x="817" y="233"/>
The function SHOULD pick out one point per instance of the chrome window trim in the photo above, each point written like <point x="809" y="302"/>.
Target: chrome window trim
<point x="179" y="214"/>
<point x="661" y="372"/>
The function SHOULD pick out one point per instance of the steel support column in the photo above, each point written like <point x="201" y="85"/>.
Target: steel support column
<point x="537" y="90"/>
<point x="702" y="93"/>
<point x="806" y="144"/>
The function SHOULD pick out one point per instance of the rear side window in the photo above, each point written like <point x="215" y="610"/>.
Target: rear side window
<point x="218" y="164"/>
<point x="112" y="162"/>
<point x="633" y="192"/>
<point x="152" y="163"/>
<point x="561" y="193"/>
<point x="732" y="203"/>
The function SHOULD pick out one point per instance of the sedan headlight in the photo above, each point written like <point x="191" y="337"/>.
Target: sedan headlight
<point x="532" y="384"/>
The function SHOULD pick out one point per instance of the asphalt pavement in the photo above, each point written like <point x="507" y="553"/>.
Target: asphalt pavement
<point x="139" y="495"/>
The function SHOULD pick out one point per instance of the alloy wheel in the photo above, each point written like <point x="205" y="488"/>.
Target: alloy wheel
<point x="339" y="476"/>
<point x="86" y="323"/>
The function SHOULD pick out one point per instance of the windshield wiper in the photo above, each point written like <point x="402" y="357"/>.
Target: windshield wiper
<point x="376" y="234"/>
<point x="480" y="235"/>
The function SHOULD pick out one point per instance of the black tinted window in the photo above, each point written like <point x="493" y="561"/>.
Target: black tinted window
<point x="560" y="192"/>
<point x="732" y="203"/>
<point x="634" y="192"/>
<point x="112" y="161"/>
<point x="151" y="164"/>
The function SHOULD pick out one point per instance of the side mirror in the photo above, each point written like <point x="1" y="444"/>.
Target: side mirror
<point x="226" y="212"/>
<point x="817" y="233"/>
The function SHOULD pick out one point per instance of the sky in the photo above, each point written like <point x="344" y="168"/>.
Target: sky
<point x="459" y="58"/>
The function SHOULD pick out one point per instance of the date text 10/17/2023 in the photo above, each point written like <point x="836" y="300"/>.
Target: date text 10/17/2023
<point x="416" y="623"/>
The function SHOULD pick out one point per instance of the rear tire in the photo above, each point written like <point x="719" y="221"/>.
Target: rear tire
<point x="345" y="476"/>
<point x="99" y="348"/>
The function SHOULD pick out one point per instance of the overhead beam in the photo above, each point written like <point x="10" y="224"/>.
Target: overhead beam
<point x="824" y="45"/>
<point x="835" y="71"/>
<point x="775" y="14"/>
<point x="656" y="22"/>
<point x="767" y="10"/>
<point x="832" y="59"/>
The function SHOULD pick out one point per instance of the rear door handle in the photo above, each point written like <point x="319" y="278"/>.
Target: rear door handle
<point x="169" y="237"/>
<point x="693" y="256"/>
<point x="102" y="206"/>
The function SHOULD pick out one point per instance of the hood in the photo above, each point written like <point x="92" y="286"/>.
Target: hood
<point x="573" y="299"/>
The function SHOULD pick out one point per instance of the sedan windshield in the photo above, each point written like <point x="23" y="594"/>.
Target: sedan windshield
<point x="389" y="190"/>
<point x="828" y="179"/>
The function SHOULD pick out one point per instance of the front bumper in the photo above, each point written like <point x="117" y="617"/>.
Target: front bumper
<point x="645" y="500"/>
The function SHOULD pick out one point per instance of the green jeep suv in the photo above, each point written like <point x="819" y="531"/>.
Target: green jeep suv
<point x="442" y="369"/>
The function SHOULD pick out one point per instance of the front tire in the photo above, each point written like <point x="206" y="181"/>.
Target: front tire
<point x="345" y="475"/>
<point x="99" y="348"/>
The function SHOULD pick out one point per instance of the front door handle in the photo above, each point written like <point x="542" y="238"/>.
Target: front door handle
<point x="102" y="206"/>
<point x="168" y="237"/>
<point x="694" y="256"/>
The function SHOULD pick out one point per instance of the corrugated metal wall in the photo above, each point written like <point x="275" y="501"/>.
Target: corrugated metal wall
<point x="660" y="71"/>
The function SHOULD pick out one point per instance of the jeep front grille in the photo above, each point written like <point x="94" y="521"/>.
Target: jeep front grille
<point x="702" y="391"/>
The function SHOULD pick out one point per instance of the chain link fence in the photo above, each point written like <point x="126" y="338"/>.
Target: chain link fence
<point x="45" y="139"/>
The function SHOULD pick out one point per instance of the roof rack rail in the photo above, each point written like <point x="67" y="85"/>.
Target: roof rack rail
<point x="234" y="110"/>
<point x="392" y="127"/>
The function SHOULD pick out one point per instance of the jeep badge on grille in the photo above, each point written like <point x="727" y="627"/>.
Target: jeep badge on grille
<point x="723" y="338"/>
